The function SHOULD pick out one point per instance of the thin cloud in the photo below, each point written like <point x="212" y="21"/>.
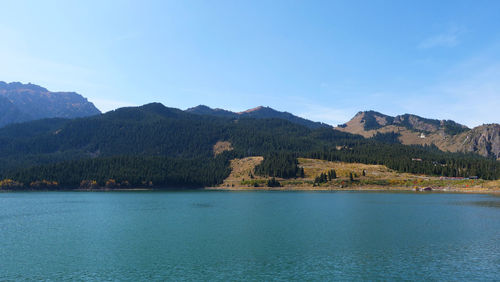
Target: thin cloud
<point x="448" y="39"/>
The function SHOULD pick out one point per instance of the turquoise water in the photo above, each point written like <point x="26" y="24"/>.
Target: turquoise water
<point x="249" y="236"/>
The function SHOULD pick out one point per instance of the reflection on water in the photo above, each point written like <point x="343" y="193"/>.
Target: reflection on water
<point x="489" y="204"/>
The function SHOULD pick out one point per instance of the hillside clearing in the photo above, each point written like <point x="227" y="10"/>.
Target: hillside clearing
<point x="365" y="177"/>
<point x="222" y="146"/>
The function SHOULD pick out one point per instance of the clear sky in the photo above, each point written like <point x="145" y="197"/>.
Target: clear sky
<point x="323" y="60"/>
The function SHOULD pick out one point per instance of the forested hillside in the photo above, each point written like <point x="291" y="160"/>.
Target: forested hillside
<point x="258" y="112"/>
<point x="153" y="145"/>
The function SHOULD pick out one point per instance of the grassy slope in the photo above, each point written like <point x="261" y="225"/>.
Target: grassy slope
<point x="242" y="174"/>
<point x="443" y="141"/>
<point x="377" y="177"/>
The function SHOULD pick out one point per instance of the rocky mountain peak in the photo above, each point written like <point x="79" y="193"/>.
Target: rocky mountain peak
<point x="256" y="109"/>
<point x="13" y="86"/>
<point x="415" y="130"/>
<point x="484" y="139"/>
<point x="24" y="102"/>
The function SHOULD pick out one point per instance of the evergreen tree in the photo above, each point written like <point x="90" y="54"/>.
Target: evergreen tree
<point x="273" y="183"/>
<point x="137" y="146"/>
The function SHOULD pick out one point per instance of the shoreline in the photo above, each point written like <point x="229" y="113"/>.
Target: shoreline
<point x="284" y="189"/>
<point x="360" y="189"/>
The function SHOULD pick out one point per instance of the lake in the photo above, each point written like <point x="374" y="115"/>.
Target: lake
<point x="208" y="235"/>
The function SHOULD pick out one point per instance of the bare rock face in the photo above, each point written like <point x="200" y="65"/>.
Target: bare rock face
<point x="24" y="102"/>
<point x="484" y="139"/>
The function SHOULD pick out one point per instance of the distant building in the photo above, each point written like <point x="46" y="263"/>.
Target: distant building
<point x="422" y="135"/>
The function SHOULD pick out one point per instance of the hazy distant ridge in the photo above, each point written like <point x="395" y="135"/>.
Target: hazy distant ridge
<point x="24" y="102"/>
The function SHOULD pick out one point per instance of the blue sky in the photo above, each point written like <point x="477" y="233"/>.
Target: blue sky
<point x="323" y="60"/>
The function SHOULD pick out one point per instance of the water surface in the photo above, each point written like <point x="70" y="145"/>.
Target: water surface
<point x="249" y="236"/>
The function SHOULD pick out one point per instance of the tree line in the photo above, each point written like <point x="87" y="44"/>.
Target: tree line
<point x="168" y="147"/>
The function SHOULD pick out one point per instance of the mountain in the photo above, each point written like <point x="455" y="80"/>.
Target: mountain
<point x="9" y="113"/>
<point x="204" y="110"/>
<point x="152" y="129"/>
<point x="258" y="112"/>
<point x="484" y="139"/>
<point x="447" y="135"/>
<point x="24" y="102"/>
<point x="154" y="145"/>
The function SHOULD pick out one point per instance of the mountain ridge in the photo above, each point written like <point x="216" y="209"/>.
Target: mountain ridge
<point x="24" y="102"/>
<point x="447" y="135"/>
<point x="257" y="112"/>
<point x="153" y="145"/>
